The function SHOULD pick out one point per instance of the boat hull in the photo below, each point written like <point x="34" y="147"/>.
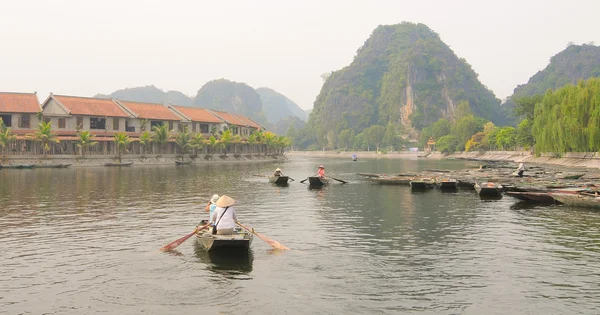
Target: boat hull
<point x="422" y="184"/>
<point x="541" y="197"/>
<point x="577" y="200"/>
<point x="118" y="164"/>
<point x="18" y="166"/>
<point x="240" y="240"/>
<point x="317" y="181"/>
<point x="489" y="190"/>
<point x="279" y="180"/>
<point x="182" y="163"/>
<point x="448" y="184"/>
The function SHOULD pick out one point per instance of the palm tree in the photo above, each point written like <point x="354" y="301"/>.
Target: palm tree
<point x="183" y="141"/>
<point x="225" y="140"/>
<point x="45" y="136"/>
<point x="161" y="135"/>
<point x="145" y="140"/>
<point x="237" y="139"/>
<point x="270" y="139"/>
<point x="281" y="143"/>
<point x="85" y="141"/>
<point x="121" y="140"/>
<point x="214" y="143"/>
<point x="197" y="142"/>
<point x="6" y="137"/>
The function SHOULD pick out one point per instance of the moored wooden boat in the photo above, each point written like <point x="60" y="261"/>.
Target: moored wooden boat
<point x="447" y="184"/>
<point x="118" y="164"/>
<point x="183" y="162"/>
<point x="488" y="189"/>
<point x="393" y="180"/>
<point x="239" y="240"/>
<point x="317" y="181"/>
<point x="18" y="166"/>
<point x="578" y="200"/>
<point x="422" y="183"/>
<point x="354" y="157"/>
<point x="542" y="197"/>
<point x="52" y="165"/>
<point x="279" y="180"/>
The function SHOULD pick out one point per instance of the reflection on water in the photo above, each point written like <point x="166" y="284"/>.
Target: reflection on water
<point x="225" y="262"/>
<point x="86" y="240"/>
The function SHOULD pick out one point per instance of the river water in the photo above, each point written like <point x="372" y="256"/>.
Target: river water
<point x="86" y="240"/>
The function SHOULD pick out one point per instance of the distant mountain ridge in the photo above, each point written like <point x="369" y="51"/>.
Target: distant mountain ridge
<point x="574" y="63"/>
<point x="276" y="106"/>
<point x="403" y="74"/>
<point x="264" y="105"/>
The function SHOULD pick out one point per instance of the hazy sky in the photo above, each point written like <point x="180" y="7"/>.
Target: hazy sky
<point x="88" y="47"/>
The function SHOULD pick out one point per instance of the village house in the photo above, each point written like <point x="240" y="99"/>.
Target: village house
<point x="202" y="120"/>
<point x="19" y="111"/>
<point x="239" y="124"/>
<point x="68" y="114"/>
<point x="147" y="115"/>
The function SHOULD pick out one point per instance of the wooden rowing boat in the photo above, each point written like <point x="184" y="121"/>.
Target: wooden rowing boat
<point x="542" y="197"/>
<point x="393" y="180"/>
<point x="317" y="181"/>
<point x="578" y="200"/>
<point x="279" y="180"/>
<point x="447" y="184"/>
<point x="422" y="183"/>
<point x="239" y="240"/>
<point x="183" y="162"/>
<point x="488" y="189"/>
<point x="18" y="166"/>
<point x="118" y="164"/>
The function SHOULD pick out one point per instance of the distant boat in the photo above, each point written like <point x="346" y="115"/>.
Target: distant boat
<point x="279" y="180"/>
<point x="183" y="162"/>
<point x="354" y="157"/>
<point x="488" y="189"/>
<point x="317" y="181"/>
<point x="52" y="165"/>
<point x="118" y="164"/>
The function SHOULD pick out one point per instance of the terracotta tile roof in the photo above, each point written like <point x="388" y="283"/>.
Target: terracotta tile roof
<point x="249" y="121"/>
<point x="91" y="106"/>
<point x="150" y="110"/>
<point x="198" y="114"/>
<point x="19" y="103"/>
<point x="230" y="118"/>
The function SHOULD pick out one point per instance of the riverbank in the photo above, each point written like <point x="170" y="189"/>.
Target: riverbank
<point x="573" y="160"/>
<point x="164" y="159"/>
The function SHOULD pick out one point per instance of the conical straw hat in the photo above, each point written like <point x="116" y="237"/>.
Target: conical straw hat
<point x="225" y="201"/>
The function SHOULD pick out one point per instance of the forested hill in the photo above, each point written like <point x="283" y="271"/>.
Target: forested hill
<point x="403" y="74"/>
<point x="233" y="97"/>
<point x="276" y="106"/>
<point x="150" y="94"/>
<point x="576" y="62"/>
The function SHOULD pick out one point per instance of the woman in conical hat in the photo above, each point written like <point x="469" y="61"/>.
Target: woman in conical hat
<point x="224" y="216"/>
<point x="321" y="171"/>
<point x="278" y="172"/>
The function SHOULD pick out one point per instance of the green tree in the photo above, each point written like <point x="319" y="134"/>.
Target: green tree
<point x="525" y="106"/>
<point x="145" y="140"/>
<point x="182" y="139"/>
<point x="345" y="138"/>
<point x="85" y="141"/>
<point x="226" y="139"/>
<point x="45" y="136"/>
<point x="121" y="140"/>
<point x="374" y="135"/>
<point x="161" y="136"/>
<point x="506" y="138"/>
<point x="197" y="143"/>
<point x="447" y="144"/>
<point x="524" y="134"/>
<point x="6" y="137"/>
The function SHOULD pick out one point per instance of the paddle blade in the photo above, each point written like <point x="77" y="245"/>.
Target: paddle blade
<point x="176" y="242"/>
<point x="180" y="241"/>
<point x="275" y="244"/>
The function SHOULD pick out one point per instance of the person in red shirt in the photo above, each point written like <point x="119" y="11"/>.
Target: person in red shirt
<point x="321" y="171"/>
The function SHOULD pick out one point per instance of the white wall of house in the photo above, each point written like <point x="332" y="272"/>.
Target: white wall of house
<point x="16" y="118"/>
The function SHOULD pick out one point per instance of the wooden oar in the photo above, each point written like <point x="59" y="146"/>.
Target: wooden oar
<point x="339" y="180"/>
<point x="302" y="181"/>
<point x="180" y="241"/>
<point x="291" y="179"/>
<point x="275" y="244"/>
